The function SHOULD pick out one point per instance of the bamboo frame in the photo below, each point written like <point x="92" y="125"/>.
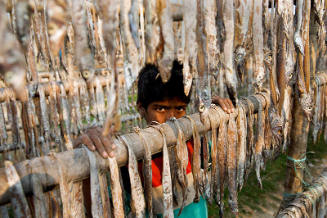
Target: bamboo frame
<point x="76" y="160"/>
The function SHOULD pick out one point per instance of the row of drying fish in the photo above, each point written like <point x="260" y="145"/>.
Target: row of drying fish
<point x="53" y="114"/>
<point x="310" y="203"/>
<point x="236" y="148"/>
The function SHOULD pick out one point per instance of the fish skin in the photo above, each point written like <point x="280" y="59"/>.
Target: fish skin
<point x="147" y="172"/>
<point x="152" y="30"/>
<point x="137" y="194"/>
<point x="116" y="190"/>
<point x="229" y="71"/>
<point x="297" y="35"/>
<point x="166" y="28"/>
<point x="241" y="147"/>
<point x="182" y="162"/>
<point x="231" y="163"/>
<point x="222" y="162"/>
<point x="205" y="153"/>
<point x="196" y="159"/>
<point x="250" y="135"/>
<point x="259" y="145"/>
<point x="214" y="165"/>
<point x="190" y="45"/>
<point x="18" y="201"/>
<point x="166" y="178"/>
<point x="96" y="205"/>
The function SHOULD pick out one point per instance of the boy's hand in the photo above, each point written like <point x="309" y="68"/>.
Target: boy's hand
<point x="225" y="103"/>
<point x="95" y="141"/>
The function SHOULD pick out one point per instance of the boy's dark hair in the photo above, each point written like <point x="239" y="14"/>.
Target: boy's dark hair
<point x="151" y="88"/>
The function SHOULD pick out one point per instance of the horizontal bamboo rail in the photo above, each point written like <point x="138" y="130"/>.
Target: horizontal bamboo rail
<point x="307" y="199"/>
<point x="77" y="160"/>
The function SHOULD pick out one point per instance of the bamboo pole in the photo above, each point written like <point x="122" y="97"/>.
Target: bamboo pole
<point x="77" y="159"/>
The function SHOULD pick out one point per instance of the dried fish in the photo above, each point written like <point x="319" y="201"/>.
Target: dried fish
<point x="105" y="195"/>
<point x="166" y="27"/>
<point x="259" y="73"/>
<point x="131" y="66"/>
<point x="85" y="60"/>
<point x="250" y="135"/>
<point x="242" y="17"/>
<point x="297" y="34"/>
<point x="214" y="165"/>
<point x="260" y="143"/>
<point x="54" y="116"/>
<point x="229" y="72"/>
<point x="134" y="21"/>
<point x="317" y="112"/>
<point x="147" y="172"/>
<point x="166" y="178"/>
<point x="18" y="200"/>
<point x="152" y="30"/>
<point x="22" y="22"/>
<point x="45" y="121"/>
<point x="116" y="191"/>
<point x="85" y="104"/>
<point x="222" y="156"/>
<point x="241" y="145"/>
<point x="99" y="100"/>
<point x="3" y="130"/>
<point x="182" y="162"/>
<point x="190" y="46"/>
<point x="205" y="154"/>
<point x="137" y="202"/>
<point x="96" y="206"/>
<point x="196" y="159"/>
<point x="65" y="118"/>
<point x="203" y="89"/>
<point x="110" y="15"/>
<point x="231" y="163"/>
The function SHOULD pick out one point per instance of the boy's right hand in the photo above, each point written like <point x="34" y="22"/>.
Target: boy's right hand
<point x="95" y="141"/>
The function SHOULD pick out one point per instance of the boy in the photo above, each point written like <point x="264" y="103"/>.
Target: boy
<point x="157" y="102"/>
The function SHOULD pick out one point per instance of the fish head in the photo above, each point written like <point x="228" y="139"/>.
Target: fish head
<point x="306" y="101"/>
<point x="277" y="125"/>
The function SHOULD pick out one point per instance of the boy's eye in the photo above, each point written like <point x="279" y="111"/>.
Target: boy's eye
<point x="180" y="109"/>
<point x="161" y="109"/>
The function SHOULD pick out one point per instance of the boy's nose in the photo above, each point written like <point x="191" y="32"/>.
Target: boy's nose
<point x="170" y="114"/>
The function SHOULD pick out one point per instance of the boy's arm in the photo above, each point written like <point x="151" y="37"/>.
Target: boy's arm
<point x="94" y="140"/>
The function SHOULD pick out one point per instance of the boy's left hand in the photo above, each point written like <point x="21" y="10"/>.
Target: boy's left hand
<point x="225" y="103"/>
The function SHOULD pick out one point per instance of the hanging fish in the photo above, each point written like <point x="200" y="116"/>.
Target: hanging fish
<point x="137" y="201"/>
<point x="166" y="27"/>
<point x="259" y="73"/>
<point x="84" y="59"/>
<point x="166" y="178"/>
<point x="182" y="162"/>
<point x="297" y="34"/>
<point x="131" y="64"/>
<point x="96" y="204"/>
<point x="18" y="200"/>
<point x="241" y="145"/>
<point x="231" y="163"/>
<point x="214" y="165"/>
<point x="242" y="17"/>
<point x="45" y="121"/>
<point x="116" y="190"/>
<point x="222" y="159"/>
<point x="152" y="30"/>
<point x="134" y="21"/>
<point x="109" y="11"/>
<point x="190" y="45"/>
<point x="147" y="172"/>
<point x="196" y="159"/>
<point x="228" y="67"/>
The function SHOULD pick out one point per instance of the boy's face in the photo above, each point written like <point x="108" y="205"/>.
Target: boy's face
<point x="161" y="111"/>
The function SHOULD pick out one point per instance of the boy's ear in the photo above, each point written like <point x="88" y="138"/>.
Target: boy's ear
<point x="141" y="110"/>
